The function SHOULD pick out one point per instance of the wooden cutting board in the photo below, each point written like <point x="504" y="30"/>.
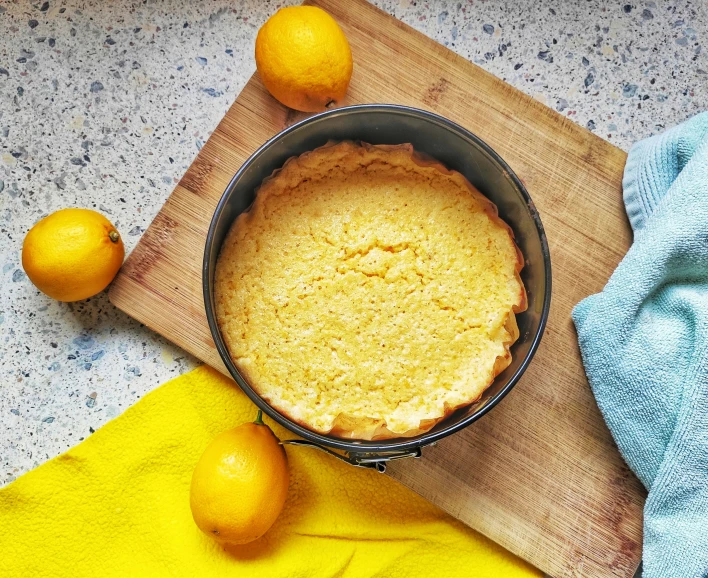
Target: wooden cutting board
<point x="540" y="474"/>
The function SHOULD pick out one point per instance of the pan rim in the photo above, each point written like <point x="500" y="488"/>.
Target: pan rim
<point x="397" y="444"/>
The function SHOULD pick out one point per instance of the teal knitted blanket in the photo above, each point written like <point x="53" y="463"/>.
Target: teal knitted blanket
<point x="644" y="342"/>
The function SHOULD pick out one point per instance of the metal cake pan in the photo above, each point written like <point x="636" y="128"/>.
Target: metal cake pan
<point x="458" y="149"/>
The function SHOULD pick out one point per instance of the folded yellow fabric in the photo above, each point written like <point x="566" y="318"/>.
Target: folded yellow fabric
<point x="118" y="505"/>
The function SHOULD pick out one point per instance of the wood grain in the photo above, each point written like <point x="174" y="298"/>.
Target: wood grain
<point x="540" y="475"/>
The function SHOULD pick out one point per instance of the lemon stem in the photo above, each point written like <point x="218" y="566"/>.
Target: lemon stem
<point x="114" y="236"/>
<point x="259" y="418"/>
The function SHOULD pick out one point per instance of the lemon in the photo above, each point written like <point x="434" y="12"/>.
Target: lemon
<point x="72" y="254"/>
<point x="303" y="58"/>
<point x="240" y="484"/>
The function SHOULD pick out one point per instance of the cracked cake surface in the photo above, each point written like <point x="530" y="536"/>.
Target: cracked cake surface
<point x="369" y="291"/>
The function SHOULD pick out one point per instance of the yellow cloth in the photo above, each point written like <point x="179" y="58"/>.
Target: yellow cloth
<point x="118" y="505"/>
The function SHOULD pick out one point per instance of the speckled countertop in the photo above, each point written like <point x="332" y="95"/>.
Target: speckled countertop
<point x="105" y="104"/>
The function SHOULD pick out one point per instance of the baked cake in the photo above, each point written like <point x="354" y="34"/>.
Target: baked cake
<point x="369" y="291"/>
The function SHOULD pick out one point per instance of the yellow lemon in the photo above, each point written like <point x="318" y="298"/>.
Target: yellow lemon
<point x="72" y="254"/>
<point x="303" y="58"/>
<point x="240" y="483"/>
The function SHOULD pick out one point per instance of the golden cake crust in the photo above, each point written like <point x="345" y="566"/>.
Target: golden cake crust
<point x="369" y="292"/>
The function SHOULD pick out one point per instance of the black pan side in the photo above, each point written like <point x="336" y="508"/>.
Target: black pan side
<point x="458" y="149"/>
